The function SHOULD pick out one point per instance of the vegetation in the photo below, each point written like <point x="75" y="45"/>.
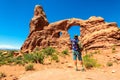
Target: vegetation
<point x="55" y="57"/>
<point x="38" y="57"/>
<point x="109" y="64"/>
<point x="113" y="48"/>
<point x="48" y="51"/>
<point x="34" y="57"/>
<point x="29" y="67"/>
<point x="65" y="52"/>
<point x="90" y="62"/>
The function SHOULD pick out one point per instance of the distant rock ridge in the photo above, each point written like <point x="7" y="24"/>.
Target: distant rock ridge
<point x="95" y="33"/>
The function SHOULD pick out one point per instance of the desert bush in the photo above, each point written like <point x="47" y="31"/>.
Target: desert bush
<point x="48" y="51"/>
<point x="10" y="60"/>
<point x="28" y="58"/>
<point x="89" y="62"/>
<point x="2" y="75"/>
<point x="109" y="64"/>
<point x="65" y="52"/>
<point x="55" y="57"/>
<point x="113" y="48"/>
<point x="39" y="57"/>
<point x="33" y="57"/>
<point x="2" y="63"/>
<point x="0" y="53"/>
<point x="11" y="51"/>
<point x="3" y="59"/>
<point x="29" y="67"/>
<point x="19" y="60"/>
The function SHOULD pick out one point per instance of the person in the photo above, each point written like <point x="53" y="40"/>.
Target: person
<point x="76" y="51"/>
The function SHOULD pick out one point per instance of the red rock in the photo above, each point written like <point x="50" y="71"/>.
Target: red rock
<point x="95" y="33"/>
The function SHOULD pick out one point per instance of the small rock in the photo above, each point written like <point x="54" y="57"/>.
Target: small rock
<point x="11" y="75"/>
<point x="113" y="71"/>
<point x="66" y="61"/>
<point x="70" y="66"/>
<point x="62" y="62"/>
<point x="107" y="55"/>
<point x="15" y="78"/>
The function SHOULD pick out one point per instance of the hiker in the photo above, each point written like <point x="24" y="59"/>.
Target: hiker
<point x="76" y="50"/>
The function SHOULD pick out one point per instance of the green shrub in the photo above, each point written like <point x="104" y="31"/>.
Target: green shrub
<point x="28" y="58"/>
<point x="11" y="51"/>
<point x="39" y="57"/>
<point x="109" y="64"/>
<point x="29" y="67"/>
<point x="1" y="54"/>
<point x="34" y="57"/>
<point x="113" y="48"/>
<point x="3" y="58"/>
<point x="48" y="51"/>
<point x="55" y="57"/>
<point x="19" y="60"/>
<point x="2" y="75"/>
<point x="2" y="63"/>
<point x="65" y="52"/>
<point x="10" y="60"/>
<point x="89" y="62"/>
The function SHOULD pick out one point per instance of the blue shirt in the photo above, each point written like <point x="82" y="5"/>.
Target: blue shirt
<point x="75" y="44"/>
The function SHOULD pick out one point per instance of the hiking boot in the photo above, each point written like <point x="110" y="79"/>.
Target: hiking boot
<point x="82" y="69"/>
<point x="76" y="69"/>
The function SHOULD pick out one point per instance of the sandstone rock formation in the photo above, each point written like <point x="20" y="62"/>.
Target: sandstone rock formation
<point x="95" y="33"/>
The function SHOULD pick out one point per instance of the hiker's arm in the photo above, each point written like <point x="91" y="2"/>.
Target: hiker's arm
<point x="70" y="46"/>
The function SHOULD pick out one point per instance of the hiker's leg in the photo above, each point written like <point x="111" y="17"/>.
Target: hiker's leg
<point x="81" y="62"/>
<point x="75" y="59"/>
<point x="75" y="63"/>
<point x="80" y="59"/>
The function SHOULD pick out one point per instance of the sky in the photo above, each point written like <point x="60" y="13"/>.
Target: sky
<point x="15" y="16"/>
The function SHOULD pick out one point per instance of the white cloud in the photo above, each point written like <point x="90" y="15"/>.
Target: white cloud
<point x="8" y="47"/>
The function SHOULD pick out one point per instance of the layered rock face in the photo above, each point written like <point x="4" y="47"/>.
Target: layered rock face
<point x="95" y="33"/>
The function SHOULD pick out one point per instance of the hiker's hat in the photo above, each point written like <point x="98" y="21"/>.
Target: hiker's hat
<point x="75" y="35"/>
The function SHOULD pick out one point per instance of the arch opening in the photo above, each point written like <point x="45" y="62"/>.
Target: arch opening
<point x="60" y="34"/>
<point x="74" y="30"/>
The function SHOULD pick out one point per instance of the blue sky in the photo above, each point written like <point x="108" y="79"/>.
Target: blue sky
<point x="15" y="15"/>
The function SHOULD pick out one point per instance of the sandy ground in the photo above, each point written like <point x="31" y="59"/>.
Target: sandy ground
<point x="71" y="74"/>
<point x="62" y="71"/>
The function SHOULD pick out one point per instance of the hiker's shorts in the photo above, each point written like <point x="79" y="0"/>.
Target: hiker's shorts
<point x="76" y="54"/>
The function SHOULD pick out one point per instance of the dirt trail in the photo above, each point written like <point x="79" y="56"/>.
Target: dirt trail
<point x="71" y="74"/>
<point x="62" y="72"/>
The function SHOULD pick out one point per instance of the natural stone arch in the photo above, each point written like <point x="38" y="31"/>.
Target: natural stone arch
<point x="95" y="33"/>
<point x="74" y="30"/>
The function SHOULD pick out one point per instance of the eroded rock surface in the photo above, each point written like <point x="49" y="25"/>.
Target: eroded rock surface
<point x="95" y="33"/>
